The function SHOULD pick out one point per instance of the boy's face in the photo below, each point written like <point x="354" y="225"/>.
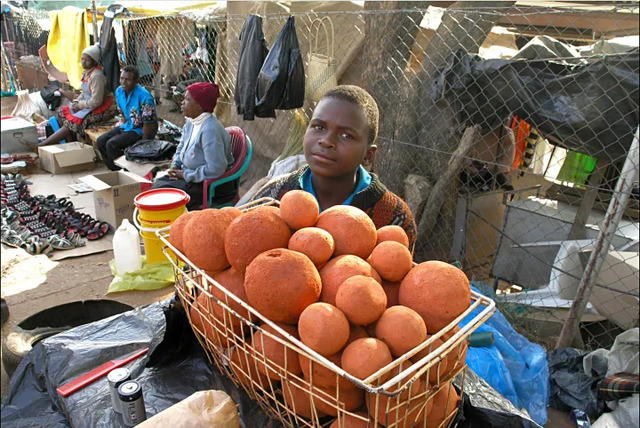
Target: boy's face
<point x="337" y="139"/>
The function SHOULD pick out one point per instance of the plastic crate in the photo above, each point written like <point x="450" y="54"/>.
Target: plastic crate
<point x="396" y="398"/>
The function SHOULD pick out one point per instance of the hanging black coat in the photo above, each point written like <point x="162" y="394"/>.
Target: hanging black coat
<point x="253" y="51"/>
<point x="281" y="79"/>
<point x="109" y="48"/>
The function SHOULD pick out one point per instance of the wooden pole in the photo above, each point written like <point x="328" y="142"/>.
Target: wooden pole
<point x="94" y="13"/>
<point x="438" y="193"/>
<point x="610" y="223"/>
<point x="589" y="197"/>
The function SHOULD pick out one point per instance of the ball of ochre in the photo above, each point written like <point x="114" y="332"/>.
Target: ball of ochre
<point x="393" y="233"/>
<point x="323" y="328"/>
<point x="438" y="291"/>
<point x="338" y="270"/>
<point x="281" y="283"/>
<point x="299" y="209"/>
<point x="242" y="362"/>
<point x="177" y="230"/>
<point x="329" y="401"/>
<point x="444" y="404"/>
<point x="405" y="413"/>
<point x="233" y="280"/>
<point x="352" y="229"/>
<point x="252" y="233"/>
<point x="203" y="240"/>
<point x="440" y="370"/>
<point x="281" y="359"/>
<point x="402" y="329"/>
<point x="362" y="299"/>
<point x="299" y="400"/>
<point x="350" y="421"/>
<point x="213" y="330"/>
<point x="391" y="260"/>
<point x="357" y="332"/>
<point x="232" y="212"/>
<point x="315" y="243"/>
<point x="364" y="357"/>
<point x="322" y="376"/>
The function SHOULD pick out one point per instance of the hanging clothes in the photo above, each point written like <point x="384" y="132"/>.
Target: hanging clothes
<point x="253" y="51"/>
<point x="577" y="168"/>
<point x="109" y="47"/>
<point x="69" y="36"/>
<point x="171" y="60"/>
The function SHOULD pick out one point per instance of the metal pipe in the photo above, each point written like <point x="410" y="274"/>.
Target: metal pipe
<point x="612" y="218"/>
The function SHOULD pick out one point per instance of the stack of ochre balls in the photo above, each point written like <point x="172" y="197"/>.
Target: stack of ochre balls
<point x="346" y="290"/>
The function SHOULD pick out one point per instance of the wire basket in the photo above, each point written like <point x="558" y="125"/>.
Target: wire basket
<point x="301" y="388"/>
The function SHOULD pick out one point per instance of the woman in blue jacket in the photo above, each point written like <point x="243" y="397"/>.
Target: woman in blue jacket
<point x="204" y="151"/>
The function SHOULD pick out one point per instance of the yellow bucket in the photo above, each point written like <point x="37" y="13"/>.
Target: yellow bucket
<point x="155" y="209"/>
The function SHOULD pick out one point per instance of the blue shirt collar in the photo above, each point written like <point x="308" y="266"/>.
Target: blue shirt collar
<point x="364" y="180"/>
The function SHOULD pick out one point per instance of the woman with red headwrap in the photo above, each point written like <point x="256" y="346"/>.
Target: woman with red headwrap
<point x="204" y="151"/>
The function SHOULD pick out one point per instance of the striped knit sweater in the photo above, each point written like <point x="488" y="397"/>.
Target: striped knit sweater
<point x="383" y="206"/>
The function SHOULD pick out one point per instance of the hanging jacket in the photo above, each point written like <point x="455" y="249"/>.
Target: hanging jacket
<point x="281" y="79"/>
<point x="109" y="48"/>
<point x="253" y="51"/>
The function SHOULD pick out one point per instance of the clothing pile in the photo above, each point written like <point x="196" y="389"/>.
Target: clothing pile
<point x="40" y="224"/>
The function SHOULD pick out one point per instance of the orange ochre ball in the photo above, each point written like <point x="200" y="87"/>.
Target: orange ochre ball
<point x="299" y="209"/>
<point x="323" y="376"/>
<point x="438" y="291"/>
<point x="315" y="243"/>
<point x="281" y="283"/>
<point x="349" y="421"/>
<point x="255" y="232"/>
<point x="391" y="260"/>
<point x="393" y="233"/>
<point x="444" y="404"/>
<point x="177" y="230"/>
<point x="323" y="328"/>
<point x="362" y="299"/>
<point x="280" y="359"/>
<point x="402" y="329"/>
<point x="352" y="229"/>
<point x="203" y="240"/>
<point x="363" y="357"/>
<point x="233" y="280"/>
<point x="338" y="270"/>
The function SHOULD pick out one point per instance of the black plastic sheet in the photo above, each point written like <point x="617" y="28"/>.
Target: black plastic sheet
<point x="174" y="368"/>
<point x="590" y="108"/>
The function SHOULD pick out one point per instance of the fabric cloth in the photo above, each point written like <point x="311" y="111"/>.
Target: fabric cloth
<point x="383" y="206"/>
<point x="137" y="108"/>
<point x="171" y="61"/>
<point x="96" y="117"/>
<point x="205" y="153"/>
<point x="68" y="38"/>
<point x="253" y="51"/>
<point x="619" y="386"/>
<point x="364" y="180"/>
<point x="112" y="144"/>
<point x="205" y="94"/>
<point x="93" y="51"/>
<point x="109" y="48"/>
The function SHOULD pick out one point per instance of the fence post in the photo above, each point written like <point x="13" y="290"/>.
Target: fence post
<point x="94" y="14"/>
<point x="610" y="223"/>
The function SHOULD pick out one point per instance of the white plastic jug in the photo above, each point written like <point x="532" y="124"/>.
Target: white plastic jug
<point x="126" y="248"/>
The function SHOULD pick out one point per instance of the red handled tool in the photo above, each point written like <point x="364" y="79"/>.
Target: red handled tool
<point x="95" y="374"/>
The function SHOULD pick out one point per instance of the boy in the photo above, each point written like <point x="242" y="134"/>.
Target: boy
<point x="339" y="141"/>
<point x="138" y="110"/>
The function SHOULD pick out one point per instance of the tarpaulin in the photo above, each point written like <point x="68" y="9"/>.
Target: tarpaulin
<point x="591" y="108"/>
<point x="174" y="368"/>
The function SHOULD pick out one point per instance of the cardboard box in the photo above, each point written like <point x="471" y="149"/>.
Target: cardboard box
<point x="65" y="158"/>
<point x="113" y="194"/>
<point x="15" y="132"/>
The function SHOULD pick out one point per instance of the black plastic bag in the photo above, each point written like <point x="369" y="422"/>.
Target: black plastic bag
<point x="571" y="387"/>
<point x="281" y="79"/>
<point x="253" y="52"/>
<point x="150" y="150"/>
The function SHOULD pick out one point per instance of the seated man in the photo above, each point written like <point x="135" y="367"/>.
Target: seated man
<point x="204" y="151"/>
<point x="139" y="120"/>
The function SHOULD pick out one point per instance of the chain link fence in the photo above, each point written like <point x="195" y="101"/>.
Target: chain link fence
<point x="505" y="126"/>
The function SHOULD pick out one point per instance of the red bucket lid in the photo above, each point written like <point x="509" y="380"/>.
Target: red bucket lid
<point x="161" y="199"/>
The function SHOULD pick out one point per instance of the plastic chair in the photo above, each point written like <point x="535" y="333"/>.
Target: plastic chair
<point x="242" y="150"/>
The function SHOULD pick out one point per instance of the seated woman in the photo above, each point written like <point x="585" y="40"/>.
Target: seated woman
<point x="204" y="151"/>
<point x="94" y="105"/>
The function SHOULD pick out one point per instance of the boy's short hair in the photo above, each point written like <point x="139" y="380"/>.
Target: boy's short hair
<point x="362" y="99"/>
<point x="132" y="69"/>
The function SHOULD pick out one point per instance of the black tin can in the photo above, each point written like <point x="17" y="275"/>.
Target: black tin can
<point x="132" y="403"/>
